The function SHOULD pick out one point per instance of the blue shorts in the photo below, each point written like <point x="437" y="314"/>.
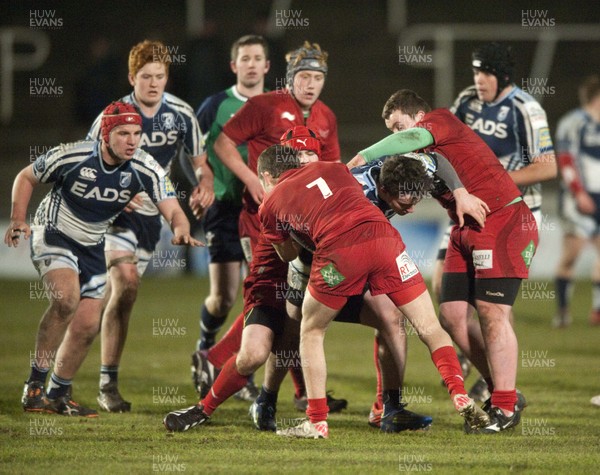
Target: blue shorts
<point x="53" y="250"/>
<point x="136" y="233"/>
<point x="220" y="224"/>
<point x="574" y="222"/>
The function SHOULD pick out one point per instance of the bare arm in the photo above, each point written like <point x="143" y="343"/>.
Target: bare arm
<point x="23" y="187"/>
<point x="543" y="168"/>
<point x="179" y="223"/>
<point x="357" y="161"/>
<point x="203" y="195"/>
<point x="226" y="150"/>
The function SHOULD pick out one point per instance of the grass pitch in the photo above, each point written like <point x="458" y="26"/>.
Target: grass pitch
<point x="558" y="373"/>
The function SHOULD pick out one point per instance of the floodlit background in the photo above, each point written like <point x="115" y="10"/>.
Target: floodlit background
<point x="76" y="52"/>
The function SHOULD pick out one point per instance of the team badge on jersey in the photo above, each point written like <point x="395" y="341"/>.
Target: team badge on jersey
<point x="324" y="133"/>
<point x="40" y="164"/>
<point x="503" y="113"/>
<point x="125" y="179"/>
<point x="288" y="116"/>
<point x="168" y="120"/>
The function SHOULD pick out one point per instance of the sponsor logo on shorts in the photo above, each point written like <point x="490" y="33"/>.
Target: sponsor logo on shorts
<point x="406" y="266"/>
<point x="483" y="259"/>
<point x="494" y="294"/>
<point x="331" y="275"/>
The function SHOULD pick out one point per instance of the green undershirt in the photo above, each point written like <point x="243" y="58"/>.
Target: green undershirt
<point x="399" y="143"/>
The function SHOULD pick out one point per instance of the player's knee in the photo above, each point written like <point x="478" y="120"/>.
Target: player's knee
<point x="125" y="286"/>
<point x="454" y="328"/>
<point x="495" y="320"/>
<point x="85" y="333"/>
<point x="383" y="351"/>
<point x="249" y="360"/>
<point x="222" y="302"/>
<point x="492" y="311"/>
<point x="64" y="305"/>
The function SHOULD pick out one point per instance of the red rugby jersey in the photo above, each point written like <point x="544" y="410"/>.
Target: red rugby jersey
<point x="322" y="200"/>
<point x="479" y="169"/>
<point x="263" y="119"/>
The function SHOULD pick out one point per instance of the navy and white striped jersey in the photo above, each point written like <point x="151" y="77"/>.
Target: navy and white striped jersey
<point x="173" y="126"/>
<point x="579" y="135"/>
<point x="515" y="128"/>
<point x="367" y="176"/>
<point x="88" y="194"/>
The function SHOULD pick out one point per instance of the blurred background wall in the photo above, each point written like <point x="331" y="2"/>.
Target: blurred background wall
<point x="61" y="62"/>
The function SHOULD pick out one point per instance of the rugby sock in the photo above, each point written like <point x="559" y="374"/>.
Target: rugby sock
<point x="58" y="387"/>
<point x="298" y="379"/>
<point x="38" y="374"/>
<point x="490" y="384"/>
<point x="505" y="400"/>
<point x="229" y="345"/>
<point x="379" y="402"/>
<point x="108" y="374"/>
<point x="447" y="364"/>
<point x="267" y="396"/>
<point x="563" y="287"/>
<point x="317" y="410"/>
<point x="229" y="382"/>
<point x="391" y="400"/>
<point x="209" y="327"/>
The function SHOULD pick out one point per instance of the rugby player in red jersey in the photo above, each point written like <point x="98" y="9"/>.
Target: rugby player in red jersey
<point x="264" y="118"/>
<point x="260" y="124"/>
<point x="484" y="265"/>
<point x="354" y="244"/>
<point x="266" y="329"/>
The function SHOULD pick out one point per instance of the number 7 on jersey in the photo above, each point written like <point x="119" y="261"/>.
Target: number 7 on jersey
<point x="323" y="187"/>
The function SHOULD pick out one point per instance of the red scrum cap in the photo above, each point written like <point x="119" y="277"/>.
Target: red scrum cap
<point x="301" y="138"/>
<point x="118" y="113"/>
